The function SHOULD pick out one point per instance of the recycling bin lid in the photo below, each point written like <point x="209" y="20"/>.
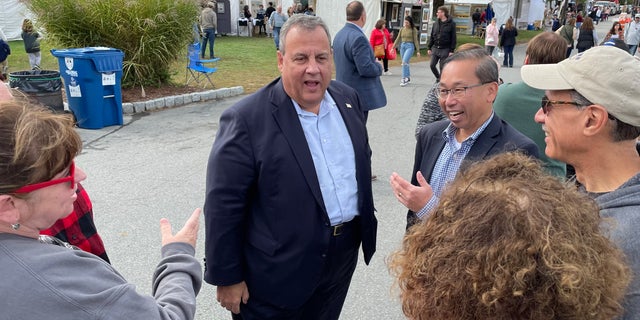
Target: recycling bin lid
<point x="105" y="59"/>
<point x="82" y="52"/>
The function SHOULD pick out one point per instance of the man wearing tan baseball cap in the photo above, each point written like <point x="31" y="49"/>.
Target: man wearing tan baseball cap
<point x="592" y="123"/>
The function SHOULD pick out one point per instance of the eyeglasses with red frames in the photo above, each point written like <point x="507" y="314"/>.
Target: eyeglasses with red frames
<point x="546" y="104"/>
<point x="36" y="186"/>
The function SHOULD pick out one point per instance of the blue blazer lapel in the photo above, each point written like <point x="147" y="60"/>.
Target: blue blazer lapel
<point x="432" y="157"/>
<point x="287" y="120"/>
<point x="431" y="151"/>
<point x="487" y="139"/>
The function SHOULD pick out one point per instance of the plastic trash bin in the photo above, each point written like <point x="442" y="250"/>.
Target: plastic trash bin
<point x="92" y="78"/>
<point x="44" y="86"/>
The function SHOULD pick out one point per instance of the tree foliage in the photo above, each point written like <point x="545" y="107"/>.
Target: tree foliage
<point x="151" y="33"/>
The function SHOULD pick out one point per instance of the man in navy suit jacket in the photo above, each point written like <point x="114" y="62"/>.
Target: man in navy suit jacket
<point x="288" y="191"/>
<point x="355" y="63"/>
<point x="472" y="132"/>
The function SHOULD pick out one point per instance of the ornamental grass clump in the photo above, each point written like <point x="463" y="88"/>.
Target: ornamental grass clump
<point x="151" y="33"/>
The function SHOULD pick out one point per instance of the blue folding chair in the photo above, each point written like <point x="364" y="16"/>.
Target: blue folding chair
<point x="197" y="69"/>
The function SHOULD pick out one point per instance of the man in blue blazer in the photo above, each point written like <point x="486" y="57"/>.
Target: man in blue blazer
<point x="472" y="132"/>
<point x="355" y="63"/>
<point x="288" y="191"/>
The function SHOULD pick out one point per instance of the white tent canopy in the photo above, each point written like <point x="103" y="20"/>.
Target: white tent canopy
<point x="333" y="12"/>
<point x="11" y="16"/>
<point x="536" y="11"/>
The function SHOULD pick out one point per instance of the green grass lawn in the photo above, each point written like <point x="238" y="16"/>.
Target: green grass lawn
<point x="248" y="62"/>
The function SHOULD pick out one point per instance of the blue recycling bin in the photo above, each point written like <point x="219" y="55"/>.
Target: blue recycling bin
<point x="92" y="80"/>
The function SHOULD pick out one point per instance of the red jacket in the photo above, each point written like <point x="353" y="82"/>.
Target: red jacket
<point x="377" y="37"/>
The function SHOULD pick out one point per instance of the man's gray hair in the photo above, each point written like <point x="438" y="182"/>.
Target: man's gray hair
<point x="621" y="131"/>
<point x="487" y="68"/>
<point x="304" y="21"/>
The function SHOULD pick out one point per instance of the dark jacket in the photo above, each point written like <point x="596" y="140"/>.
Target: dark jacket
<point x="357" y="67"/>
<point x="497" y="137"/>
<point x="508" y="37"/>
<point x="5" y="50"/>
<point x="259" y="163"/>
<point x="31" y="41"/>
<point x="443" y="35"/>
<point x="269" y="11"/>
<point x="585" y="40"/>
<point x="475" y="17"/>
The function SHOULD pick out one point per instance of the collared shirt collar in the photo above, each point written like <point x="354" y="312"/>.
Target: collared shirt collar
<point x="327" y="102"/>
<point x="357" y="26"/>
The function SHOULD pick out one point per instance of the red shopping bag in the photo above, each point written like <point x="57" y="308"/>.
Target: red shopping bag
<point x="391" y="52"/>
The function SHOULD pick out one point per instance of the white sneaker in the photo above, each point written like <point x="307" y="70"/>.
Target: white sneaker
<point x="403" y="82"/>
<point x="387" y="73"/>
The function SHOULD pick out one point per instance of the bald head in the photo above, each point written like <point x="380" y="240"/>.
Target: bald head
<point x="355" y="11"/>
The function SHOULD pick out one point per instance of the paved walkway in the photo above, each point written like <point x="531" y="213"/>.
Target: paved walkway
<point x="154" y="166"/>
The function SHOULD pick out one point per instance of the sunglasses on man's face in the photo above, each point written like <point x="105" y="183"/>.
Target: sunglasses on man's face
<point x="36" y="186"/>
<point x="547" y="104"/>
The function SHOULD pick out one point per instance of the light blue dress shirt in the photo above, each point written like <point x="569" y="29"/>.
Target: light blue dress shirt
<point x="333" y="159"/>
<point x="448" y="163"/>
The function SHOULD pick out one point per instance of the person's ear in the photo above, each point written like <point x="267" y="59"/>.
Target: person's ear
<point x="493" y="91"/>
<point x="596" y="119"/>
<point x="280" y="60"/>
<point x="8" y="212"/>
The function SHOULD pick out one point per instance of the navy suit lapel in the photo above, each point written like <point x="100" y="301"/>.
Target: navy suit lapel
<point x="286" y="117"/>
<point x="486" y="140"/>
<point x="432" y="150"/>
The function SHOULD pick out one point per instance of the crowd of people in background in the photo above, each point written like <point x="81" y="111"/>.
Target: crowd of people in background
<point x="579" y="32"/>
<point x="490" y="180"/>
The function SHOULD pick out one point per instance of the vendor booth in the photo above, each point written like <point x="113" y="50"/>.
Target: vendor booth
<point x="525" y="14"/>
<point x="461" y="11"/>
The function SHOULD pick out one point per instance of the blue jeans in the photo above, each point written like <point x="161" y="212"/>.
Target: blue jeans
<point x="508" y="56"/>
<point x="276" y="37"/>
<point x="209" y="34"/>
<point x="633" y="48"/>
<point x="406" y="52"/>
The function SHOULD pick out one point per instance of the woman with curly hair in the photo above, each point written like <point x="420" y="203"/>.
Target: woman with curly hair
<point x="508" y="241"/>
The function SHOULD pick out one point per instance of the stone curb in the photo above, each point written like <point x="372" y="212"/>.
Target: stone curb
<point x="180" y="100"/>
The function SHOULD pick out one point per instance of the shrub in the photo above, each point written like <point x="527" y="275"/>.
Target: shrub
<point x="151" y="33"/>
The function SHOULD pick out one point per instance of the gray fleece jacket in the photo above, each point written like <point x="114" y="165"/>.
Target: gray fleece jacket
<point x="622" y="206"/>
<point x="45" y="281"/>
